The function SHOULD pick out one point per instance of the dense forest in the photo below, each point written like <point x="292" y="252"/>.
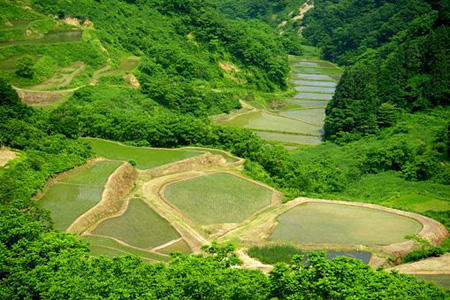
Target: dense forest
<point x="395" y="86"/>
<point x="398" y="53"/>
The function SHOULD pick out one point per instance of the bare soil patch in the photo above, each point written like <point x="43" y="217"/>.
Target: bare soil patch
<point x="41" y="97"/>
<point x="6" y="156"/>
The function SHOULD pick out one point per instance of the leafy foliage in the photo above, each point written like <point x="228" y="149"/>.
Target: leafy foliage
<point x="398" y="57"/>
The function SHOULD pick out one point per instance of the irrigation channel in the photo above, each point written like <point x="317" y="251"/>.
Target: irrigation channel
<point x="299" y="119"/>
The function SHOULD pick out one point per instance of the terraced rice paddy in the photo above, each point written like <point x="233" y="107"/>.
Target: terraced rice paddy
<point x="313" y="116"/>
<point x="314" y="96"/>
<point x="109" y="247"/>
<point x="442" y="280"/>
<point x="69" y="199"/>
<point x="60" y="36"/>
<point x="284" y="253"/>
<point x="315" y="80"/>
<point x="10" y="64"/>
<point x="126" y="65"/>
<point x="324" y="223"/>
<point x="146" y="158"/>
<point x="179" y="246"/>
<point x="317" y="77"/>
<point x="307" y="83"/>
<point x="263" y="121"/>
<point x="140" y="226"/>
<point x="218" y="198"/>
<point x="315" y="89"/>
<point x="289" y="138"/>
<point x="305" y="104"/>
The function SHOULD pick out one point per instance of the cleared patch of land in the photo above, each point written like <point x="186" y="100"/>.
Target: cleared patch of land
<point x="146" y="158"/>
<point x="6" y="156"/>
<point x="66" y="202"/>
<point x="140" y="226"/>
<point x="322" y="223"/>
<point x="218" y="198"/>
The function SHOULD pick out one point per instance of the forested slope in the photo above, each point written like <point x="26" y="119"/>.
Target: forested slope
<point x="398" y="52"/>
<point x="185" y="47"/>
<point x="189" y="50"/>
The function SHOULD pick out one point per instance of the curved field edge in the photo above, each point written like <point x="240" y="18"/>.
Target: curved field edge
<point x="139" y="226"/>
<point x="259" y="229"/>
<point x="119" y="151"/>
<point x="69" y="199"/>
<point x="334" y="223"/>
<point x="220" y="197"/>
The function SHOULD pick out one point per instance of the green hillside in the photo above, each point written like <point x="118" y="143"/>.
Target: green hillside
<point x="154" y="73"/>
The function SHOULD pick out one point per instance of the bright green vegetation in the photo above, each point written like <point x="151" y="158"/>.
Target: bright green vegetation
<point x="264" y="121"/>
<point x="441" y="280"/>
<point x="218" y="198"/>
<point x="105" y="246"/>
<point x="182" y="44"/>
<point x="322" y="223"/>
<point x="180" y="246"/>
<point x="140" y="226"/>
<point x="416" y="202"/>
<point x="96" y="175"/>
<point x="52" y="44"/>
<point x="395" y="64"/>
<point x="67" y="202"/>
<point x="284" y="253"/>
<point x="146" y="158"/>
